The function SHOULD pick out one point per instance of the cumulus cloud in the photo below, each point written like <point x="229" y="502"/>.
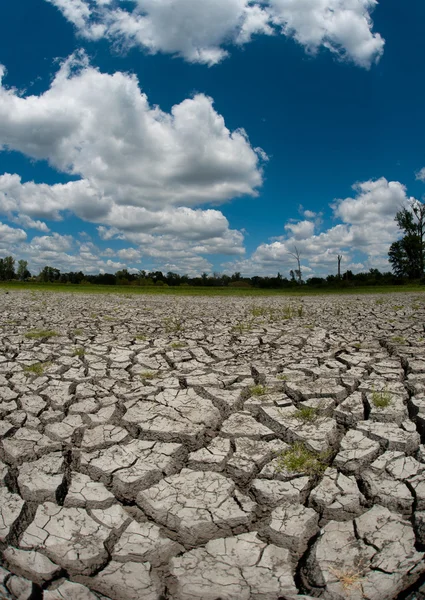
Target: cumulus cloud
<point x="420" y="175"/>
<point x="142" y="171"/>
<point x="102" y="128"/>
<point x="11" y="235"/>
<point x="367" y="229"/>
<point x="201" y="31"/>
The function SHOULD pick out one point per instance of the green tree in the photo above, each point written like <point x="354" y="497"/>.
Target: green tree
<point x="407" y="255"/>
<point x="23" y="272"/>
<point x="49" y="274"/>
<point x="7" y="268"/>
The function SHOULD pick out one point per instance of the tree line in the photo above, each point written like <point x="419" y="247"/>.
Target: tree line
<point x="406" y="255"/>
<point x="48" y="274"/>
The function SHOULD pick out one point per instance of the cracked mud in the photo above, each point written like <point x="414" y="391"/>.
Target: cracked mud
<point x="167" y="448"/>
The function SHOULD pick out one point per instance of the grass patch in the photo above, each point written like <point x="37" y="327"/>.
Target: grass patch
<point x="141" y="337"/>
<point x="79" y="352"/>
<point x="381" y="399"/>
<point x="398" y="340"/>
<point x="307" y="414"/>
<point x="205" y="291"/>
<point x="149" y="375"/>
<point x="36" y="369"/>
<point x="41" y="333"/>
<point x="299" y="459"/>
<point x="282" y="377"/>
<point x="241" y="328"/>
<point x="178" y="345"/>
<point x="78" y="332"/>
<point x="348" y="578"/>
<point x="172" y="325"/>
<point x="258" y="390"/>
<point x="259" y="311"/>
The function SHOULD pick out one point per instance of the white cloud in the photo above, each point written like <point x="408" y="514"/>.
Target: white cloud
<point x="301" y="229"/>
<point x="102" y="128"/>
<point x="200" y="31"/>
<point x="342" y="26"/>
<point x="52" y="243"/>
<point x="368" y="229"/>
<point x="375" y="200"/>
<point x="420" y="175"/>
<point x="142" y="171"/>
<point x="29" y="223"/>
<point x="11" y="235"/>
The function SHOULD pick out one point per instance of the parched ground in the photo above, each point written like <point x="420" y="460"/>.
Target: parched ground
<point x="211" y="448"/>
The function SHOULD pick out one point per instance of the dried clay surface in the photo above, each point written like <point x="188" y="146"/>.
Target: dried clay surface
<point x="179" y="448"/>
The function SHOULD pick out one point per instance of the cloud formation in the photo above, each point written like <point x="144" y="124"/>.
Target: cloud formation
<point x="201" y="31"/>
<point x="367" y="230"/>
<point x="141" y="171"/>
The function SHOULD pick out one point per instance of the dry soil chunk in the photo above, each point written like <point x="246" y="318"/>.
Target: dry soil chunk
<point x="39" y="481"/>
<point x="337" y="497"/>
<point x="198" y="505"/>
<point x="273" y="493"/>
<point x="10" y="509"/>
<point x="175" y="415"/>
<point x="103" y="436"/>
<point x="237" y="568"/>
<point x="133" y="467"/>
<point x="211" y="458"/>
<point x="68" y="536"/>
<point x="26" y="445"/>
<point x="390" y="437"/>
<point x="67" y="590"/>
<point x="356" y="452"/>
<point x="129" y="581"/>
<point x="30" y="564"/>
<point x="85" y="493"/>
<point x="144" y="542"/>
<point x="292" y="527"/>
<point x="243" y="424"/>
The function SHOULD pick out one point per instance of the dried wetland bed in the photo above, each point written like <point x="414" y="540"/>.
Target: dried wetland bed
<point x="179" y="448"/>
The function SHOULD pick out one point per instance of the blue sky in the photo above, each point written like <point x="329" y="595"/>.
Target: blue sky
<point x="208" y="135"/>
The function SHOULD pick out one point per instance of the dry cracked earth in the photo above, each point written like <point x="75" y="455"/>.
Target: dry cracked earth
<point x="211" y="448"/>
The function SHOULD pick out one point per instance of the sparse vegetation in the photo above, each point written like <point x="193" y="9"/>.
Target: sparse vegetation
<point x="149" y="375"/>
<point x="78" y="332"/>
<point x="172" y="325"/>
<point x="241" y="328"/>
<point x="141" y="337"/>
<point x="36" y="368"/>
<point x="178" y="345"/>
<point x="307" y="414"/>
<point x="398" y="339"/>
<point x="282" y="377"/>
<point x="258" y="390"/>
<point x="381" y="399"/>
<point x="79" y="352"/>
<point x="41" y="333"/>
<point x="299" y="459"/>
<point x="350" y="579"/>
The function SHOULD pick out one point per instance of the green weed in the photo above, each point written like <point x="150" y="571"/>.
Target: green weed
<point x="172" y="325"/>
<point x="258" y="390"/>
<point x="36" y="368"/>
<point x="41" y="333"/>
<point x="79" y="352"/>
<point x="307" y="414"/>
<point x="299" y="459"/>
<point x="381" y="399"/>
<point x="398" y="340"/>
<point x="148" y="375"/>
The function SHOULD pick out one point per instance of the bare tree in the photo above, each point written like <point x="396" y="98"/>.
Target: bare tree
<point x="297" y="256"/>
<point x="339" y="265"/>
